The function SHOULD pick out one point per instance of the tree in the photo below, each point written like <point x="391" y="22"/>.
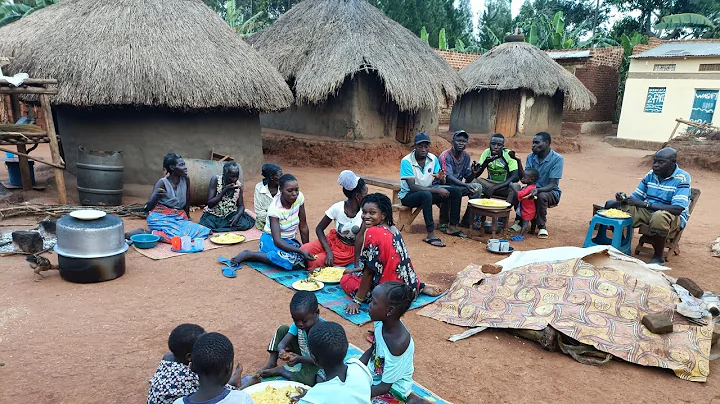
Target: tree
<point x="577" y="13"/>
<point x="12" y="11"/>
<point x="649" y="10"/>
<point x="494" y="23"/>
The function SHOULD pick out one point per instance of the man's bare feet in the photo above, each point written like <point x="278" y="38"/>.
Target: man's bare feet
<point x="276" y="371"/>
<point x="248" y="381"/>
<point x="242" y="257"/>
<point x="432" y="290"/>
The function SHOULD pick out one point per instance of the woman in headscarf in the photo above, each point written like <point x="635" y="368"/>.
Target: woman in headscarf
<point x="265" y="191"/>
<point x="169" y="203"/>
<point x="225" y="210"/>
<point x="338" y="247"/>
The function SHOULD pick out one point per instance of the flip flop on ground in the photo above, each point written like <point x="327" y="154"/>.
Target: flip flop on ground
<point x="543" y="233"/>
<point x="516" y="227"/>
<point x="228" y="272"/>
<point x="458" y="234"/>
<point x="435" y="242"/>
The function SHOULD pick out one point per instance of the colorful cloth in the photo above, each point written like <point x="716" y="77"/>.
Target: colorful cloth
<point x="674" y="190"/>
<point x="331" y="296"/>
<point x="499" y="169"/>
<point x="388" y="368"/>
<point x="458" y="168"/>
<point x="228" y="204"/>
<point x="289" y="217"/>
<point x="220" y="224"/>
<point x="168" y="223"/>
<point x="344" y="254"/>
<point x="261" y="202"/>
<point x="409" y="168"/>
<point x="284" y="259"/>
<point x="527" y="205"/>
<point x="172" y="380"/>
<point x="551" y="167"/>
<point x="599" y="305"/>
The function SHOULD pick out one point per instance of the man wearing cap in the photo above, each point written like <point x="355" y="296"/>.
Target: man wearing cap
<point x="455" y="162"/>
<point x="418" y="171"/>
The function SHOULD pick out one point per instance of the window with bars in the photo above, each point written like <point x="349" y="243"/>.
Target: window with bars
<point x="664" y="67"/>
<point x="709" y="67"/>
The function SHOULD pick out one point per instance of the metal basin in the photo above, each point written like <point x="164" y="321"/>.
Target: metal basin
<point x="90" y="238"/>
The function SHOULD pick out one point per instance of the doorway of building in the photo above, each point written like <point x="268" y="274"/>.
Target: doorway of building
<point x="508" y="110"/>
<point x="405" y="126"/>
<point x="703" y="107"/>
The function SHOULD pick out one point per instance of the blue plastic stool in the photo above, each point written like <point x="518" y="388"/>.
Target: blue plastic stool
<point x="622" y="233"/>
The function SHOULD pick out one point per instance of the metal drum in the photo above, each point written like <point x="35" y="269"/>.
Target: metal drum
<point x="100" y="177"/>
<point x="200" y="172"/>
<point x="91" y="250"/>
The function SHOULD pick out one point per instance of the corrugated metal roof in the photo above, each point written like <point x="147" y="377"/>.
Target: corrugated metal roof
<point x="570" y="55"/>
<point x="680" y="50"/>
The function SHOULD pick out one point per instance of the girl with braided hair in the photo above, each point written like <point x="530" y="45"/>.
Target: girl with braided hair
<point x="384" y="256"/>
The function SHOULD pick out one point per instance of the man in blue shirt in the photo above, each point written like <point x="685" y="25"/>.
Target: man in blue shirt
<point x="418" y="170"/>
<point x="661" y="201"/>
<point x="549" y="164"/>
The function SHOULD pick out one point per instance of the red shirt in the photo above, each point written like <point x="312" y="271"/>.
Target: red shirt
<point x="527" y="206"/>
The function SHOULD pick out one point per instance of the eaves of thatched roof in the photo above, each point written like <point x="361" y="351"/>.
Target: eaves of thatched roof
<point x="317" y="44"/>
<point x="519" y="65"/>
<point x="170" y="53"/>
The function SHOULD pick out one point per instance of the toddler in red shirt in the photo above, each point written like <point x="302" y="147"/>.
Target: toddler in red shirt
<point x="526" y="208"/>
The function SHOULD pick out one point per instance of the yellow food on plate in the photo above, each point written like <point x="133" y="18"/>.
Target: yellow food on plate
<point x="228" y="238"/>
<point x="329" y="274"/>
<point x="307" y="284"/>
<point x="615" y="214"/>
<point x="273" y="395"/>
<point x="492" y="202"/>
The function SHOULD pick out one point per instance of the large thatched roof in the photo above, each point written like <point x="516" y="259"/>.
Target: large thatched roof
<point x="318" y="43"/>
<point x="171" y="53"/>
<point x="519" y="65"/>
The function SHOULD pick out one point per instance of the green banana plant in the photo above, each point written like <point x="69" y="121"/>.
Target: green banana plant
<point x="686" y="20"/>
<point x="442" y="40"/>
<point x="424" y="35"/>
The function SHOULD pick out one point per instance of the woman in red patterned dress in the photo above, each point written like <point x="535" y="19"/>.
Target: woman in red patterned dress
<point x="384" y="256"/>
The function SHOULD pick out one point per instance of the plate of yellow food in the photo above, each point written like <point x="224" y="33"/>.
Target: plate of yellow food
<point x="487" y="203"/>
<point x="276" y="391"/>
<point x="228" y="238"/>
<point x="308" y="284"/>
<point x="613" y="213"/>
<point x="328" y="274"/>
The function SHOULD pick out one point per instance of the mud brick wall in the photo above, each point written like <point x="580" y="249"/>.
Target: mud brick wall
<point x="457" y="60"/>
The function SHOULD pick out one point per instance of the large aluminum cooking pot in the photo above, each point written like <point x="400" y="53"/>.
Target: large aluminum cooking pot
<point x="91" y="250"/>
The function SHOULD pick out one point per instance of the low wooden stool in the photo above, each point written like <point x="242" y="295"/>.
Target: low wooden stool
<point x="494" y="214"/>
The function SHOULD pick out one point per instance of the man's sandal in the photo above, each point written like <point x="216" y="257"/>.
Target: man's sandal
<point x="435" y="242"/>
<point x="543" y="233"/>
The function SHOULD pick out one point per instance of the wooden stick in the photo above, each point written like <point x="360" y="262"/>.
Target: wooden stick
<point x="22" y="151"/>
<point x="34" y="158"/>
<point x="28" y="90"/>
<point x="32" y="81"/>
<point x="54" y="148"/>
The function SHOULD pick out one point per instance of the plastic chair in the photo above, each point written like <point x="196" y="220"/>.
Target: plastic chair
<point x="622" y="231"/>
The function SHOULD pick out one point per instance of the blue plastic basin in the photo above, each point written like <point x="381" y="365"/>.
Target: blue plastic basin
<point x="145" y="240"/>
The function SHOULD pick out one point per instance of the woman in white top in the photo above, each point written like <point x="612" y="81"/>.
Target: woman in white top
<point x="338" y="247"/>
<point x="265" y="191"/>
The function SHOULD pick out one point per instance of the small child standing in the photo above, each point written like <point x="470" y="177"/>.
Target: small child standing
<point x="291" y="343"/>
<point x="526" y="207"/>
<point x="350" y="380"/>
<point x="390" y="358"/>
<point x="173" y="378"/>
<point x="212" y="361"/>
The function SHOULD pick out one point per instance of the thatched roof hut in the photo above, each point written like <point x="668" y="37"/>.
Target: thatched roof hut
<point x="334" y="51"/>
<point x="509" y="77"/>
<point x="159" y="77"/>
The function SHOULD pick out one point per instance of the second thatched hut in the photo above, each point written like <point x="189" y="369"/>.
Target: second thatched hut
<point x="355" y="73"/>
<point x="148" y="78"/>
<point x="517" y="88"/>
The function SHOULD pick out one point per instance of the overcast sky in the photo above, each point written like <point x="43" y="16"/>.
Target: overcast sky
<point x="479" y="5"/>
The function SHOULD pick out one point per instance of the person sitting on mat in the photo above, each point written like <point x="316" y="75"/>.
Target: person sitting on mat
<point x="169" y="204"/>
<point x="384" y="256"/>
<point x="418" y="170"/>
<point x="338" y="248"/>
<point x="349" y="379"/>
<point x="390" y="358"/>
<point x="291" y="343"/>
<point x="526" y="208"/>
<point x="285" y="216"/>
<point x="212" y="360"/>
<point x="225" y="210"/>
<point x="661" y="201"/>
<point x="265" y="191"/>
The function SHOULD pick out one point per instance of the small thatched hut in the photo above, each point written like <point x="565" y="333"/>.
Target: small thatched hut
<point x="517" y="88"/>
<point x="355" y="73"/>
<point x="148" y="78"/>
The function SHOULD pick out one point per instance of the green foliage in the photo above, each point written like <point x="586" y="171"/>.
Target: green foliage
<point x="11" y="11"/>
<point x="424" y="35"/>
<point x="685" y="20"/>
<point x="459" y="45"/>
<point x="551" y="33"/>
<point x="494" y="23"/>
<point x="237" y="21"/>
<point x="442" y="40"/>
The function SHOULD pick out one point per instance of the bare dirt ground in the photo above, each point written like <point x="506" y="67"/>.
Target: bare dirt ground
<point x="68" y="343"/>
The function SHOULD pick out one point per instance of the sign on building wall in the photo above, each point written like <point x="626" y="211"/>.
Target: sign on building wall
<point x="703" y="107"/>
<point x="655" y="99"/>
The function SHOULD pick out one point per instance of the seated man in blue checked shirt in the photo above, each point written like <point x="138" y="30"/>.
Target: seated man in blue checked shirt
<point x="661" y="201"/>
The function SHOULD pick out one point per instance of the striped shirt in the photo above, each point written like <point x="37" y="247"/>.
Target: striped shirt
<point x="674" y="190"/>
<point x="289" y="218"/>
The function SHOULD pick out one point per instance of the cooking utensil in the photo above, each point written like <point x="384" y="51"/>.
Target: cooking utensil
<point x="145" y="240"/>
<point x="87" y="214"/>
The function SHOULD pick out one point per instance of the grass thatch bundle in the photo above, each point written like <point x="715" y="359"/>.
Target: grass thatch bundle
<point x="519" y="65"/>
<point x="170" y="53"/>
<point x="319" y="43"/>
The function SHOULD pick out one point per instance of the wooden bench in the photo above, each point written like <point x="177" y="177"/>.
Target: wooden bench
<point x="406" y="215"/>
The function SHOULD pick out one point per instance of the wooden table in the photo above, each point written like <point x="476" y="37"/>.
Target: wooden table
<point x="494" y="214"/>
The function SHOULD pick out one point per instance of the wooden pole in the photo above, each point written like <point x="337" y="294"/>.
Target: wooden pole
<point x="28" y="90"/>
<point x="54" y="148"/>
<point x="22" y="151"/>
<point x="35" y="159"/>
